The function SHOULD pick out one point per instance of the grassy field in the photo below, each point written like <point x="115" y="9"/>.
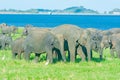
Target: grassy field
<point x="108" y="69"/>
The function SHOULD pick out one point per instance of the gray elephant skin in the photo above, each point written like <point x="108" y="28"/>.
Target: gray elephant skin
<point x="17" y="47"/>
<point x="39" y="42"/>
<point x="5" y="41"/>
<point x="69" y="40"/>
<point x="115" y="45"/>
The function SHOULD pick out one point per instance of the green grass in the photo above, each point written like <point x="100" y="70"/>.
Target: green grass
<point x="108" y="69"/>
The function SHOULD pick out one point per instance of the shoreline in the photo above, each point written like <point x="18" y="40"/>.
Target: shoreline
<point x="86" y="14"/>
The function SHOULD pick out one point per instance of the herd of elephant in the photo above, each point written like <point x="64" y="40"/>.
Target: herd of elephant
<point x="56" y="41"/>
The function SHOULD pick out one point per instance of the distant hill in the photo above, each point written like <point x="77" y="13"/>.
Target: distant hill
<point x="80" y="9"/>
<point x="115" y="11"/>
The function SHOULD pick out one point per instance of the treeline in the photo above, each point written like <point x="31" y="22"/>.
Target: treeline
<point x="80" y="9"/>
<point x="76" y="9"/>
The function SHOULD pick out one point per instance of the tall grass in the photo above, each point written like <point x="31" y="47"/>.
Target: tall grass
<point x="15" y="69"/>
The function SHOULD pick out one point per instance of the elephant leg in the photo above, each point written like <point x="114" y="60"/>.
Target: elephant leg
<point x="3" y="45"/>
<point x="72" y="53"/>
<point x="68" y="55"/>
<point x="118" y="53"/>
<point x="81" y="53"/>
<point x="37" y="56"/>
<point x="27" y="56"/>
<point x="63" y="53"/>
<point x="112" y="53"/>
<point x="19" y="54"/>
<point x="89" y="53"/>
<point x="49" y="56"/>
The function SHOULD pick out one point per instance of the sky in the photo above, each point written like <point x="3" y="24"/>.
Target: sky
<point x="99" y="5"/>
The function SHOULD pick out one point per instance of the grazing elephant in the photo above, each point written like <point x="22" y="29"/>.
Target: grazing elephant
<point x="39" y="42"/>
<point x="17" y="47"/>
<point x="69" y="41"/>
<point x="5" y="41"/>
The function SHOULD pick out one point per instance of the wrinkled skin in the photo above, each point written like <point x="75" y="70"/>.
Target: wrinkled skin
<point x="5" y="41"/>
<point x="17" y="47"/>
<point x="39" y="42"/>
<point x="69" y="41"/>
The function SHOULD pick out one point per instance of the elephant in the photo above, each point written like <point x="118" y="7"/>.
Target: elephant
<point x="17" y="47"/>
<point x="114" y="42"/>
<point x="5" y="41"/>
<point x="39" y="42"/>
<point x="69" y="41"/>
<point x="9" y="29"/>
<point x="95" y="44"/>
<point x="91" y="40"/>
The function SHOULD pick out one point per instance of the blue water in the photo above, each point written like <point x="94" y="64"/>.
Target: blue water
<point x="102" y="22"/>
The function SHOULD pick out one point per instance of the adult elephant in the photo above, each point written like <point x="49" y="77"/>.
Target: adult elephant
<point x="69" y="40"/>
<point x="39" y="42"/>
<point x="17" y="47"/>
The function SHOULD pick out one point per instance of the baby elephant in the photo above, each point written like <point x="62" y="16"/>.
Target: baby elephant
<point x="17" y="47"/>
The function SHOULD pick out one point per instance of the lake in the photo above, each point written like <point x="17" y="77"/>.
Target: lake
<point x="102" y="22"/>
